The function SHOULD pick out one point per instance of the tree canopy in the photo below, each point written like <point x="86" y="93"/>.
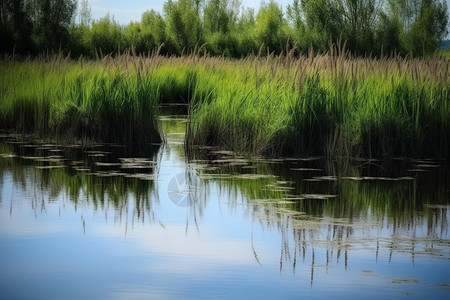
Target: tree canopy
<point x="224" y="27"/>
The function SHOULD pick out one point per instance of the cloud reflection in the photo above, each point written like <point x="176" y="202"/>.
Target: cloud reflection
<point x="172" y="242"/>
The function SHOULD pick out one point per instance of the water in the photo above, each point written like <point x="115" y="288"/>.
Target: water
<point x="108" y="223"/>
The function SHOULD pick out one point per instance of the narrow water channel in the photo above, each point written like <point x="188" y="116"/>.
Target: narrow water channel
<point x="105" y="223"/>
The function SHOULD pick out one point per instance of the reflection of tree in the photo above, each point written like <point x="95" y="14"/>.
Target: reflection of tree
<point x="123" y="186"/>
<point x="324" y="211"/>
<point x="376" y="206"/>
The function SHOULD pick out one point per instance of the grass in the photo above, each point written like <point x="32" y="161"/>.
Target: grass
<point x="108" y="100"/>
<point x="329" y="104"/>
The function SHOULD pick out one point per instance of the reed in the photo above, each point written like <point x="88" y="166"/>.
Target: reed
<point x="329" y="104"/>
<point x="108" y="100"/>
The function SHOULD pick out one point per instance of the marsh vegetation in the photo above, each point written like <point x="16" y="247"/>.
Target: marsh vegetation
<point x="329" y="104"/>
<point x="336" y="78"/>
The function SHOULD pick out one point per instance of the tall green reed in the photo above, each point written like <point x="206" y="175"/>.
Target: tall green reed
<point x="330" y="104"/>
<point x="109" y="100"/>
<point x="327" y="105"/>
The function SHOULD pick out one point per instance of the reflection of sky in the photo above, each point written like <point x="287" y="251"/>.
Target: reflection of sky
<point x="182" y="253"/>
<point x="164" y="262"/>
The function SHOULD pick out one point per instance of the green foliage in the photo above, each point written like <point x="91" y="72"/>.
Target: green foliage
<point x="29" y="26"/>
<point x="153" y="23"/>
<point x="224" y="27"/>
<point x="79" y="40"/>
<point x="15" y="27"/>
<point x="429" y="29"/>
<point x="217" y="17"/>
<point x="322" y="105"/>
<point x="106" y="35"/>
<point x="423" y="23"/>
<point x="184" y="24"/>
<point x="139" y="38"/>
<point x="85" y="13"/>
<point x="270" y="27"/>
<point x="359" y="18"/>
<point x="223" y="44"/>
<point x="112" y="100"/>
<point x="388" y="36"/>
<point x="51" y="19"/>
<point x="323" y="21"/>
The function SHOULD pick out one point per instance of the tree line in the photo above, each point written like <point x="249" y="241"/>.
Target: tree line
<point x="224" y="27"/>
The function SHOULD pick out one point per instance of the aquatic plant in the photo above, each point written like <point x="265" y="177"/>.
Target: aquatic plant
<point x="108" y="100"/>
<point x="329" y="104"/>
<point x="334" y="105"/>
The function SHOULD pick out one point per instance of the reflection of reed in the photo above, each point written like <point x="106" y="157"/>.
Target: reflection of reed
<point x="254" y="250"/>
<point x="196" y="198"/>
<point x="368" y="213"/>
<point x="127" y="191"/>
<point x="378" y="208"/>
<point x="339" y="241"/>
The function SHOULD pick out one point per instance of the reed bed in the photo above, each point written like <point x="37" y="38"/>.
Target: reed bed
<point x="109" y="100"/>
<point x="329" y="104"/>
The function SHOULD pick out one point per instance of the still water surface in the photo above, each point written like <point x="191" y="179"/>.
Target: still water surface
<point x="105" y="223"/>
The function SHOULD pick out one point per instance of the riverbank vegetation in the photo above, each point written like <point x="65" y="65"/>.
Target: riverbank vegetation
<point x="330" y="104"/>
<point x="375" y="92"/>
<point x="327" y="104"/>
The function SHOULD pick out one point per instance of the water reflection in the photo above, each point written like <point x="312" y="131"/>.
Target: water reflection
<point x="326" y="212"/>
<point x="342" y="209"/>
<point x="100" y="177"/>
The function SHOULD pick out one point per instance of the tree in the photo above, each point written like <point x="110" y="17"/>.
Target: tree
<point x="270" y="27"/>
<point x="184" y="24"/>
<point x="85" y="13"/>
<point x="424" y="24"/>
<point x="359" y="19"/>
<point x="106" y="35"/>
<point x="429" y="29"/>
<point x="296" y="21"/>
<point x="219" y="19"/>
<point x="234" y="11"/>
<point x="387" y="35"/>
<point x="80" y="32"/>
<point x="295" y="15"/>
<point x="323" y="20"/>
<point x="35" y="25"/>
<point x="406" y="11"/>
<point x="15" y="27"/>
<point x="154" y="23"/>
<point x="216" y="17"/>
<point x="246" y="33"/>
<point x="51" y="19"/>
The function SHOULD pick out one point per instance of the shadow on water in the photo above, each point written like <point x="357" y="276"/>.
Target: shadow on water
<point x="325" y="210"/>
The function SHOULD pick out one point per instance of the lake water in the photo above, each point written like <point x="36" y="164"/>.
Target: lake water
<point x="106" y="223"/>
